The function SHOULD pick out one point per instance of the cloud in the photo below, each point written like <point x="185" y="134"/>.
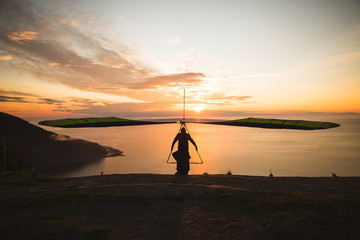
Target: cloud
<point x="16" y="93"/>
<point x="65" y="46"/>
<point x="51" y="101"/>
<point x="28" y="98"/>
<point x="174" y="80"/>
<point x="127" y="110"/>
<point x="5" y="57"/>
<point x="220" y="99"/>
<point x="249" y="76"/>
<point x="20" y="37"/>
<point x="69" y="103"/>
<point x="4" y="98"/>
<point x="237" y="98"/>
<point x="173" y="40"/>
<point x="352" y="57"/>
<point x="71" y="48"/>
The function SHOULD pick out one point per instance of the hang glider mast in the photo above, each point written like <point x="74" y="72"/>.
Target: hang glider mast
<point x="183" y="125"/>
<point x="184" y="108"/>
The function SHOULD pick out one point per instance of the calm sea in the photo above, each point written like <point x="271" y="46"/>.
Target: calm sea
<point x="241" y="150"/>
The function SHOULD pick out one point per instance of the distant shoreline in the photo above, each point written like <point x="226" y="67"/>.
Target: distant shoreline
<point x="63" y="167"/>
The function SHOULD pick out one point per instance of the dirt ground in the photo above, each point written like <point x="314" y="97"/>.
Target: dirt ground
<point x="146" y="206"/>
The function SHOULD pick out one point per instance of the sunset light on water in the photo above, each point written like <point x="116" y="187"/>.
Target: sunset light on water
<point x="245" y="151"/>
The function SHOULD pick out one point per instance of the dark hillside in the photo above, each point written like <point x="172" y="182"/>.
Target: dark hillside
<point x="46" y="148"/>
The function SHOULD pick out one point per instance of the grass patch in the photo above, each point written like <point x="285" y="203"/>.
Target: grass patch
<point x="33" y="206"/>
<point x="98" y="232"/>
<point x="23" y="178"/>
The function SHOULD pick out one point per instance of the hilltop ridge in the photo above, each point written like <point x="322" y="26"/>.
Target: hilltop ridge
<point x="48" y="149"/>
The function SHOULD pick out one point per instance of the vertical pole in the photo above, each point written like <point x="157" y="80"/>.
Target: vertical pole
<point x="184" y="107"/>
<point x="4" y="158"/>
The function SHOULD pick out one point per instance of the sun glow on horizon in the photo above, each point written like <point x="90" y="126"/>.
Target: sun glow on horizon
<point x="198" y="109"/>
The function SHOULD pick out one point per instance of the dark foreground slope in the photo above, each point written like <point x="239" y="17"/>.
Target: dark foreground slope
<point x="49" y="149"/>
<point x="178" y="207"/>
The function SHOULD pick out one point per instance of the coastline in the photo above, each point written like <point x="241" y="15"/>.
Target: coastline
<point x="76" y="163"/>
<point x="110" y="152"/>
<point x="48" y="149"/>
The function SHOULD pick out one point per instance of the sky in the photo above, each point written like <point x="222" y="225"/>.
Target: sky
<point x="134" y="58"/>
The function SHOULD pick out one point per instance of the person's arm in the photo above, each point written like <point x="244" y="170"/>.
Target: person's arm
<point x="173" y="143"/>
<point x="193" y="142"/>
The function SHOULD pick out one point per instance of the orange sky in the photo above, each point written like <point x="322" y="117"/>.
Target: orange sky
<point x="65" y="59"/>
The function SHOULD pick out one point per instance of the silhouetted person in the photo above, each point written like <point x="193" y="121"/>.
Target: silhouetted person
<point x="182" y="155"/>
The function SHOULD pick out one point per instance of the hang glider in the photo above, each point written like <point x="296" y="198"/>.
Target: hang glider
<point x="278" y="124"/>
<point x="97" y="122"/>
<point x="246" y="122"/>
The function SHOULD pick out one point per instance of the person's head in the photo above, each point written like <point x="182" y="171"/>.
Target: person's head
<point x="183" y="130"/>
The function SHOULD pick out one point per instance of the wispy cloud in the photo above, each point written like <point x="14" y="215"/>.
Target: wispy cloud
<point x="174" y="80"/>
<point x="51" y="101"/>
<point x="70" y="104"/>
<point x="346" y="58"/>
<point x="220" y="99"/>
<point x="4" y="98"/>
<point x="59" y="46"/>
<point x="247" y="76"/>
<point x="173" y="40"/>
<point x="5" y="57"/>
<point x="127" y="110"/>
<point x="233" y="98"/>
<point x="20" y="37"/>
<point x="16" y="93"/>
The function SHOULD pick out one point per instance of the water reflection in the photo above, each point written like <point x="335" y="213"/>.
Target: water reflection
<point x="247" y="151"/>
